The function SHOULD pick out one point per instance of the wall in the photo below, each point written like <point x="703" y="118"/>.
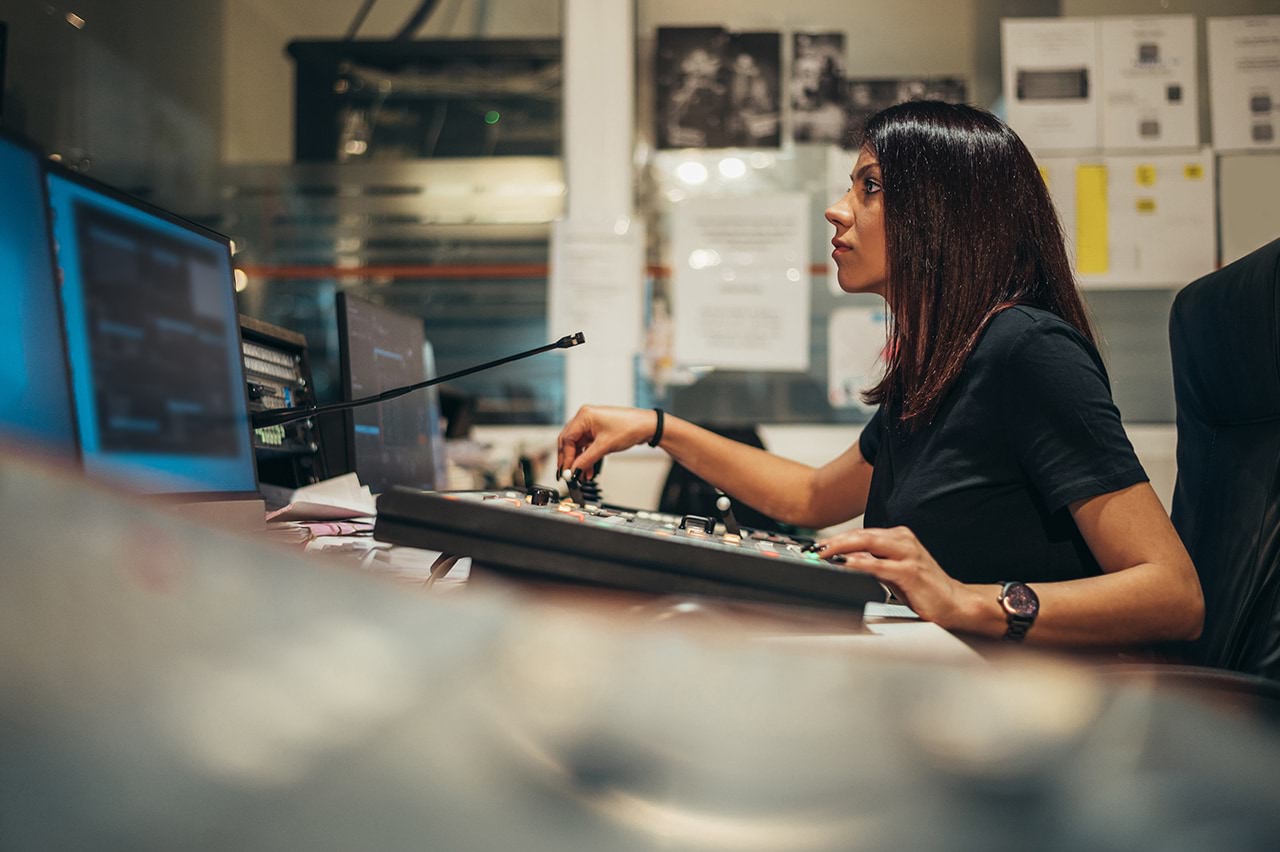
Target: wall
<point x="135" y="92"/>
<point x="259" y="75"/>
<point x="944" y="38"/>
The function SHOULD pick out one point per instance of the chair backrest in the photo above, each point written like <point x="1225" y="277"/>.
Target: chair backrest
<point x="1224" y="333"/>
<point x="685" y="493"/>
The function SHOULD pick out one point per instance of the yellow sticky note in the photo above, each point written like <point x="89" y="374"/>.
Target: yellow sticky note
<point x="1044" y="175"/>
<point x="1091" y="220"/>
<point x="1193" y="171"/>
<point x="1146" y="205"/>
<point x="1146" y="175"/>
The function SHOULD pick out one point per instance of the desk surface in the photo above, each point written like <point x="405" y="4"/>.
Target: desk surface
<point x="886" y="629"/>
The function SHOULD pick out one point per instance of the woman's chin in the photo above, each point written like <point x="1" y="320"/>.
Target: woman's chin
<point x="855" y="286"/>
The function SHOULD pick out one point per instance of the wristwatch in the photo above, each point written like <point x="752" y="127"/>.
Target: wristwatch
<point x="1021" y="606"/>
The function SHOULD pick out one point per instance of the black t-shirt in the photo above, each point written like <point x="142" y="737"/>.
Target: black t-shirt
<point x="1028" y="427"/>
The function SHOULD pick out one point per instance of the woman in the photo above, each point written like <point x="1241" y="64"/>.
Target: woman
<point x="1002" y="497"/>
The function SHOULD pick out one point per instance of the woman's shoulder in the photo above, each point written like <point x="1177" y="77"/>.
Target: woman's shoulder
<point x="1027" y="325"/>
<point x="1026" y="335"/>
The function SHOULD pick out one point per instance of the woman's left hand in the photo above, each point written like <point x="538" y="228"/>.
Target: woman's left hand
<point x="896" y="558"/>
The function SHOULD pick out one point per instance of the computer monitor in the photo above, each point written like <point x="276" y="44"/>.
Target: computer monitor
<point x="397" y="442"/>
<point x="35" y="391"/>
<point x="153" y="339"/>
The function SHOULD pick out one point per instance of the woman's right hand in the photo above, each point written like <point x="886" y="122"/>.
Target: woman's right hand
<point x="597" y="430"/>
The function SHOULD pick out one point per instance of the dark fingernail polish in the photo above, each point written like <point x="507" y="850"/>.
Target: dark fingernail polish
<point x="839" y="559"/>
<point x="820" y="548"/>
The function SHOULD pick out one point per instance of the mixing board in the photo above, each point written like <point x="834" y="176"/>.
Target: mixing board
<point x="646" y="552"/>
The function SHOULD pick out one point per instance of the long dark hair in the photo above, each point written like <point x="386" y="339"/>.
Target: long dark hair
<point x="969" y="231"/>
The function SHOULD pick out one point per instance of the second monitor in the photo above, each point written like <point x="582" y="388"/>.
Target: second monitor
<point x="398" y="442"/>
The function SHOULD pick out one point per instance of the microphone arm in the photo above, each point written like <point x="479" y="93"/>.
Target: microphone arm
<point x="280" y="416"/>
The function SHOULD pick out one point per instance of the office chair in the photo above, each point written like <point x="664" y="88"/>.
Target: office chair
<point x="1224" y="332"/>
<point x="685" y="493"/>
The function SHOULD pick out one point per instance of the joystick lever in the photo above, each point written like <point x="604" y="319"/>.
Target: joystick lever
<point x="725" y="507"/>
<point x="574" y="483"/>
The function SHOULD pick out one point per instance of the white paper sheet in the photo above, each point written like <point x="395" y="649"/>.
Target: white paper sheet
<point x="1149" y="82"/>
<point x="1159" y="218"/>
<point x="1051" y="81"/>
<point x="740" y="282"/>
<point x="596" y="286"/>
<point x="339" y="498"/>
<point x="1244" y="82"/>
<point x="855" y="354"/>
<point x="597" y="283"/>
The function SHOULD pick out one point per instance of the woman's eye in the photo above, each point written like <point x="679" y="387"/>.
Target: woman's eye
<point x="870" y="186"/>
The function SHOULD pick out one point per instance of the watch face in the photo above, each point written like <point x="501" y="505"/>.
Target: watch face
<point x="1020" y="600"/>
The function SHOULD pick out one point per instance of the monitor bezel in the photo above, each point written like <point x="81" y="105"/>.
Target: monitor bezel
<point x="344" y="377"/>
<point x="55" y="271"/>
<point x="56" y="169"/>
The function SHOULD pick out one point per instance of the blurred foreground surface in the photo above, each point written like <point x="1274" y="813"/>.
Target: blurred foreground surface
<point x="164" y="686"/>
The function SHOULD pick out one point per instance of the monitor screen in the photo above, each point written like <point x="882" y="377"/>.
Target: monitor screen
<point x="153" y="338"/>
<point x="35" y="395"/>
<point x="397" y="442"/>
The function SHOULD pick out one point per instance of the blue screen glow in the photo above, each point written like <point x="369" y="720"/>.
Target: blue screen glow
<point x="35" y="400"/>
<point x="153" y="341"/>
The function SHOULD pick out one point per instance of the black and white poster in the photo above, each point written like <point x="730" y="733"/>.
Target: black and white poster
<point x="817" y="87"/>
<point x="718" y="90"/>
<point x="754" y="88"/>
<point x="866" y="97"/>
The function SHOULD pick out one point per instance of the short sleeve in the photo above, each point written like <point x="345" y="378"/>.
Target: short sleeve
<point x="1060" y="419"/>
<point x="869" y="441"/>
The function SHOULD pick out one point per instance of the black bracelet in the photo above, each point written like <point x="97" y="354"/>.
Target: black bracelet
<point x="657" y="433"/>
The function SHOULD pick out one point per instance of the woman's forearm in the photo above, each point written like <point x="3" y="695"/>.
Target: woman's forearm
<point x="1138" y="605"/>
<point x="778" y="487"/>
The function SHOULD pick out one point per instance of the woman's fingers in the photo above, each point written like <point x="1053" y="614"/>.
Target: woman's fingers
<point x="889" y="571"/>
<point x="575" y="435"/>
<point x="897" y="543"/>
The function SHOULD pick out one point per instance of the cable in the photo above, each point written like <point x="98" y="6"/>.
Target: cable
<point x="358" y="21"/>
<point x="416" y="20"/>
<point x="280" y="416"/>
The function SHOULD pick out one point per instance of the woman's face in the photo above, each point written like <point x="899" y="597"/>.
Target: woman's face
<point x="859" y="222"/>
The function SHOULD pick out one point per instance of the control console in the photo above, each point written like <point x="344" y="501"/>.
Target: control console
<point x="539" y="535"/>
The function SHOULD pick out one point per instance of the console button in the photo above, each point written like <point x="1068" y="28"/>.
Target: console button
<point x="699" y="523"/>
<point x="540" y="495"/>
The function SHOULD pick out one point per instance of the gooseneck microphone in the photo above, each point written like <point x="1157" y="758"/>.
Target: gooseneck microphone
<point x="281" y="416"/>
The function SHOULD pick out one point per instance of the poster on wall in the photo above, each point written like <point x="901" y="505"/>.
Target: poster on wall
<point x="1149" y="88"/>
<point x="1244" y="82"/>
<point x="1145" y="220"/>
<point x="817" y="87"/>
<point x="865" y="97"/>
<point x="855" y="355"/>
<point x="1051" y="81"/>
<point x="718" y="90"/>
<point x="740" y="282"/>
